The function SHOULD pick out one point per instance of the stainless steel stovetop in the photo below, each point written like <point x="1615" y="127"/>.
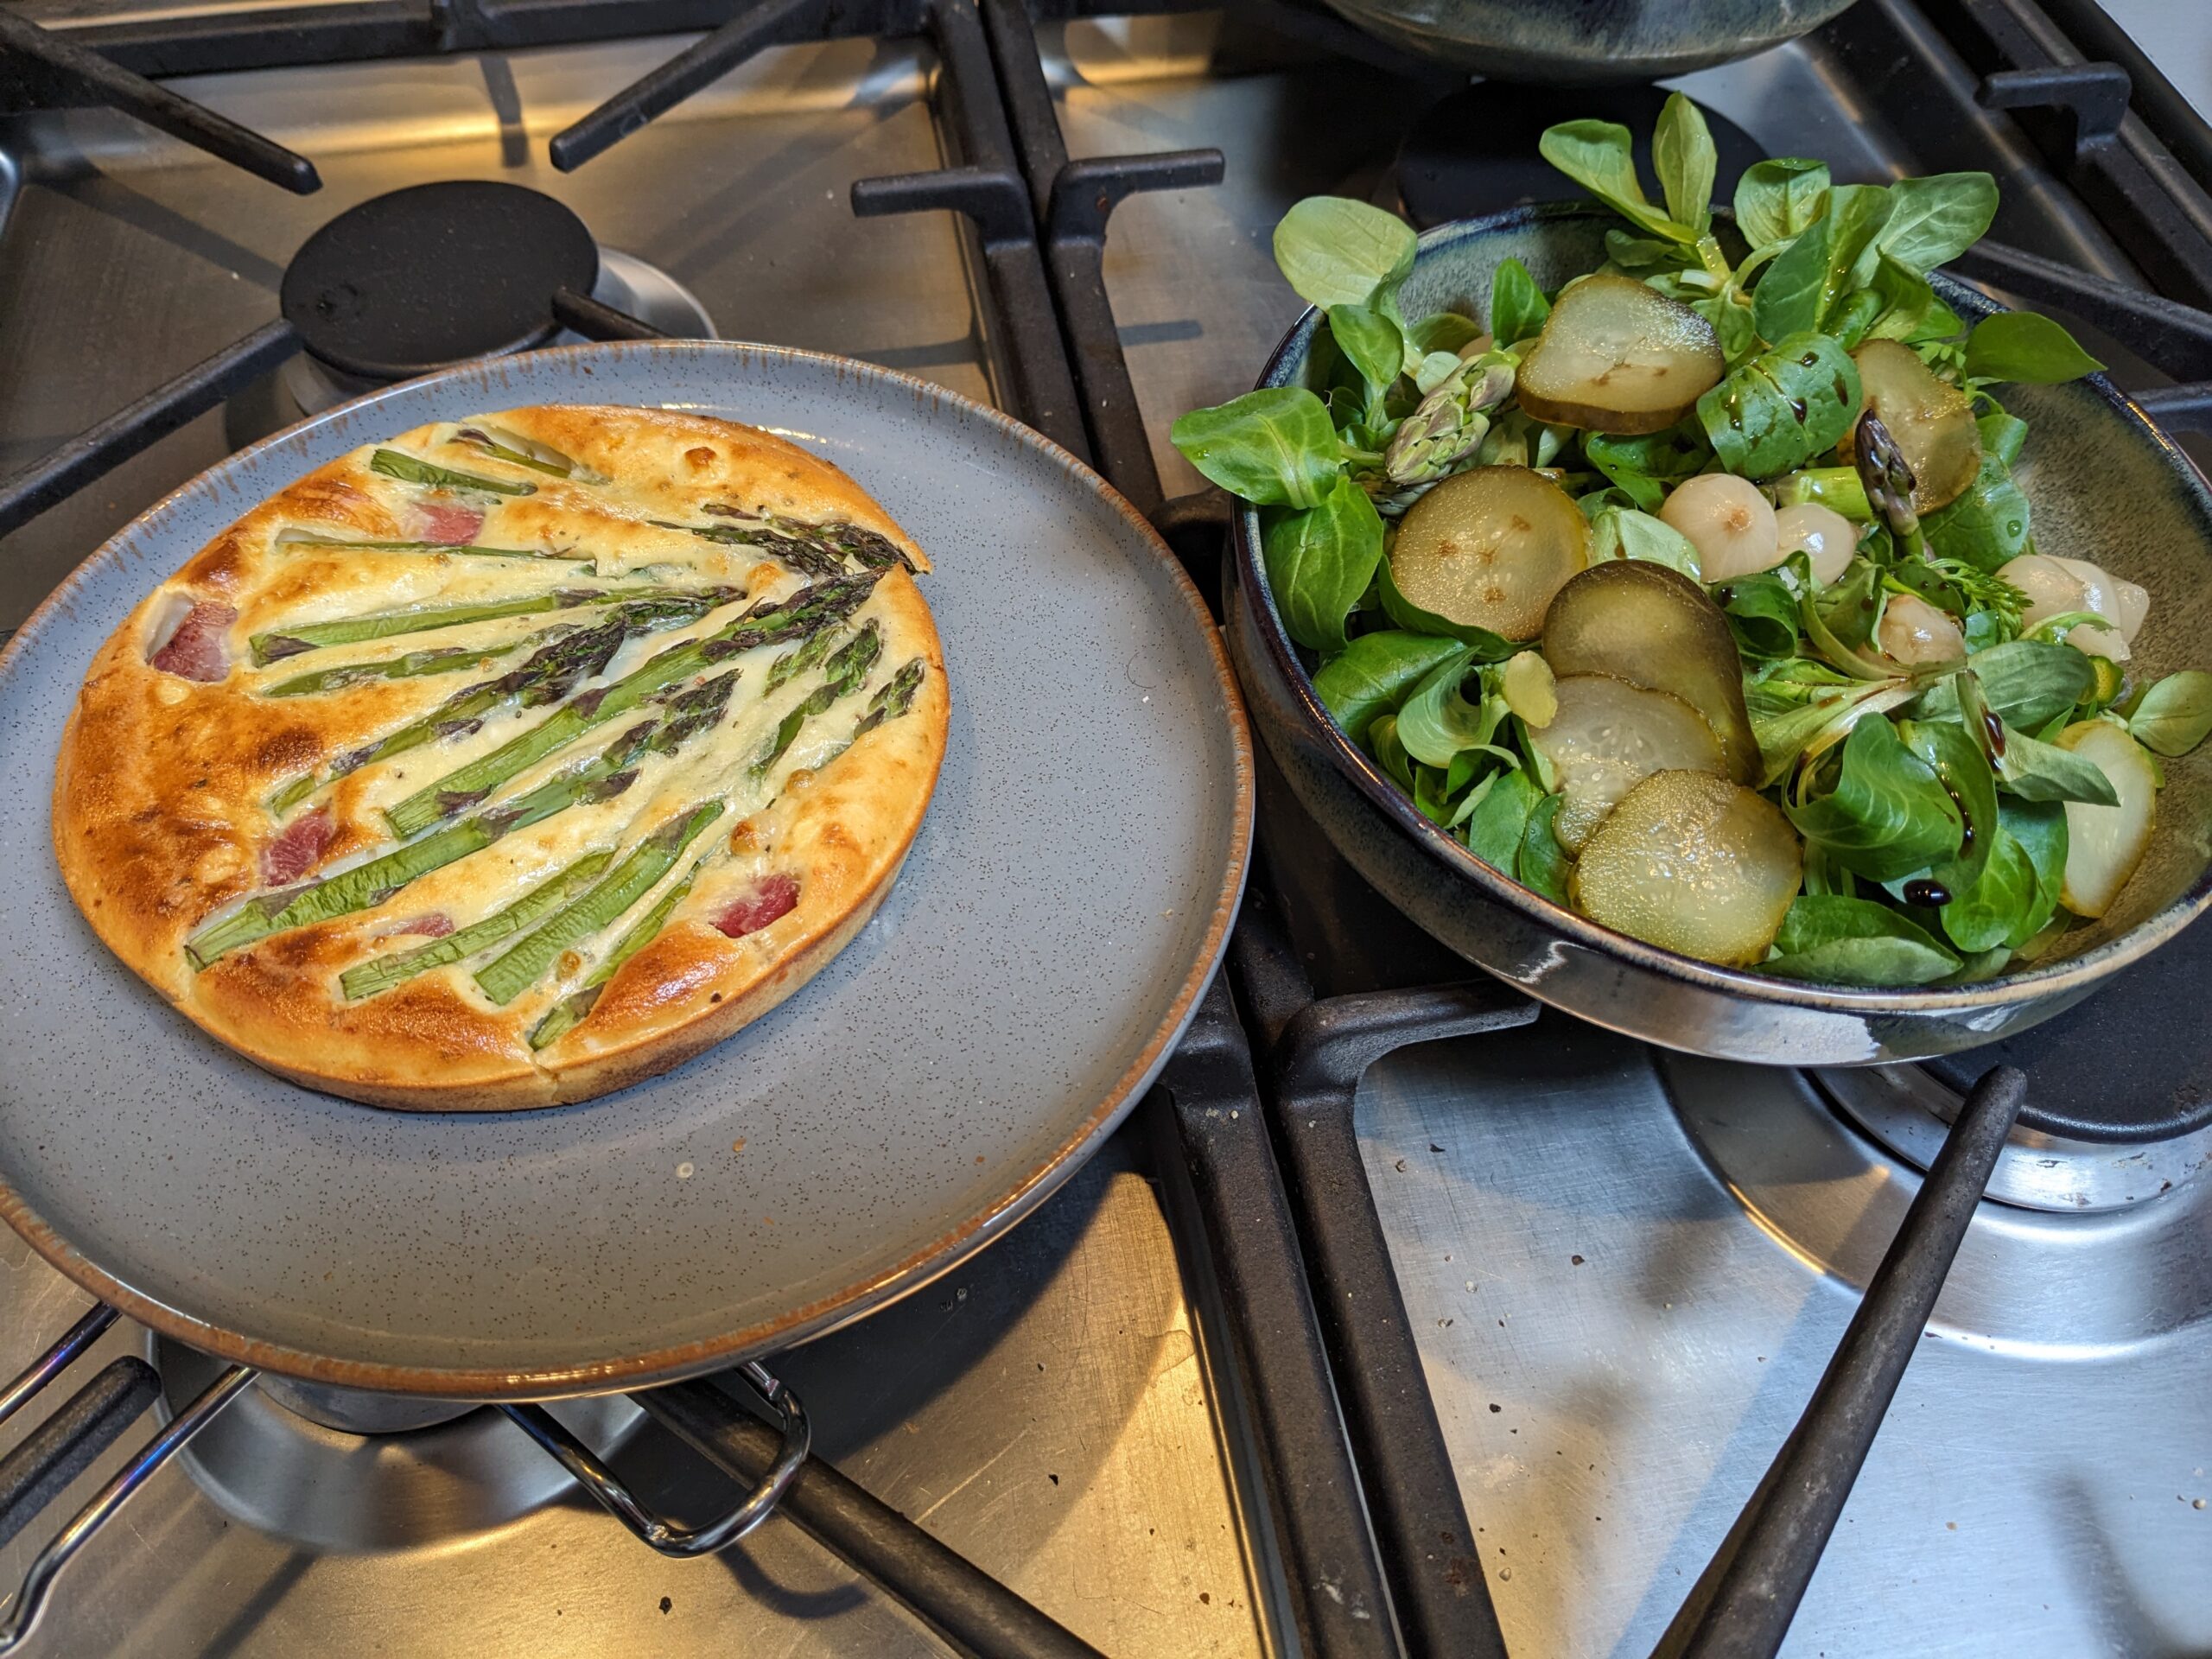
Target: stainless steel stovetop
<point x="1626" y="1272"/>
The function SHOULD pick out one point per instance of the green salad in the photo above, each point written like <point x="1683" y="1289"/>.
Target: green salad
<point x="1698" y="594"/>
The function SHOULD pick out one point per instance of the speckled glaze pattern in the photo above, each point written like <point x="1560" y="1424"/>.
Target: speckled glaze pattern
<point x="2102" y="484"/>
<point x="1066" y="900"/>
<point x="1590" y="43"/>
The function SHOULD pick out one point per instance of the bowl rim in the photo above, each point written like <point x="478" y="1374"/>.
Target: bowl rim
<point x="2074" y="974"/>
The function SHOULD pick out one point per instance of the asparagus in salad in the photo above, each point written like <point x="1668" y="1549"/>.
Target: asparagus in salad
<point x="1697" y="594"/>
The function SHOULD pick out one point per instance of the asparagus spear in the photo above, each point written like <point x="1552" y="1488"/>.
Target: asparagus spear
<point x="894" y="699"/>
<point x="1450" y="423"/>
<point x="604" y="777"/>
<point x="550" y="670"/>
<point x="797" y="662"/>
<point x="491" y="446"/>
<point x="819" y="550"/>
<point x="442" y="659"/>
<point x="564" y="1015"/>
<point x="413" y="469"/>
<point x="469" y="547"/>
<point x="289" y="793"/>
<point x="370" y="978"/>
<point x="688" y="716"/>
<point x="804" y="556"/>
<point x="875" y="552"/>
<point x="767" y="623"/>
<point x="1886" y="476"/>
<point x="691" y="712"/>
<point x="278" y="643"/>
<point x="547" y="675"/>
<point x="845" y="671"/>
<point x="508" y="975"/>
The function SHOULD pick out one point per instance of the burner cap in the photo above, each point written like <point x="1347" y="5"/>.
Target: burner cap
<point x="434" y="274"/>
<point x="2130" y="1064"/>
<point x="1475" y="151"/>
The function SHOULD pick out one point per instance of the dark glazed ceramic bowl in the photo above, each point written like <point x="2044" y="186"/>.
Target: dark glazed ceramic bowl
<point x="2104" y="484"/>
<point x="1595" y="42"/>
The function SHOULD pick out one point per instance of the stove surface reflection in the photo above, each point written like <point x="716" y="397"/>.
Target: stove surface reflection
<point x="1623" y="1307"/>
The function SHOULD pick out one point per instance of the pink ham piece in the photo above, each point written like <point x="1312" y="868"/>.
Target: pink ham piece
<point x="299" y="847"/>
<point x="196" y="651"/>
<point x="436" y="925"/>
<point x="774" y="897"/>
<point x="450" y="526"/>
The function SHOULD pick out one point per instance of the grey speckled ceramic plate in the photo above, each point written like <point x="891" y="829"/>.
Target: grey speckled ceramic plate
<point x="1066" y="900"/>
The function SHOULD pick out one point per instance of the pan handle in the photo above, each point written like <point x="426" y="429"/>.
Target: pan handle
<point x="971" y="1612"/>
<point x="673" y="1537"/>
<point x="104" y="1405"/>
<point x="70" y="1442"/>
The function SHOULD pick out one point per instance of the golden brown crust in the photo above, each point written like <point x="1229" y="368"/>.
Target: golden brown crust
<point x="160" y="819"/>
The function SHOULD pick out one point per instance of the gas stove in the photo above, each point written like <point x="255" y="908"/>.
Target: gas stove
<point x="1482" y="1347"/>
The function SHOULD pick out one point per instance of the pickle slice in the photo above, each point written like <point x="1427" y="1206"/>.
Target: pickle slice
<point x="1616" y="357"/>
<point x="1931" y="420"/>
<point x="2105" y="844"/>
<point x="1606" y="737"/>
<point x="1693" y="863"/>
<point x="1488" y="548"/>
<point x="1652" y="626"/>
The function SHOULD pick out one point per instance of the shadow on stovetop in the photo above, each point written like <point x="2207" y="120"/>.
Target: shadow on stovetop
<point x="131" y="204"/>
<point x="1722" y="1511"/>
<point x="870" y="1379"/>
<point x="246" y="1623"/>
<point x="2124" y="1605"/>
<point x="893" y="1398"/>
<point x="788" y="1600"/>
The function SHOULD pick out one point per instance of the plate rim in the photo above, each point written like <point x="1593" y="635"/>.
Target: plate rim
<point x="863" y="1295"/>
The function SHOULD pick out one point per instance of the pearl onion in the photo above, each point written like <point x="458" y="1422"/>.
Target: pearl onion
<point x="1914" y="631"/>
<point x="2054" y="586"/>
<point x="2049" y="586"/>
<point x="2125" y="602"/>
<point x="1728" y="521"/>
<point x="1825" y="535"/>
<point x="2134" y="606"/>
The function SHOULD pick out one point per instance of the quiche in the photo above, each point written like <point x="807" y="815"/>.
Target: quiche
<point x="511" y="760"/>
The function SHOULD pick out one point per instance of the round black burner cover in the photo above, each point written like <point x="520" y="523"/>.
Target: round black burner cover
<point x="435" y="274"/>
<point x="1475" y="151"/>
<point x="2133" y="1063"/>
